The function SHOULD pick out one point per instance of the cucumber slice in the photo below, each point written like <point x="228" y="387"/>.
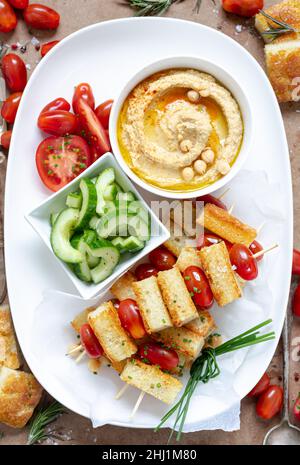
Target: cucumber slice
<point x="110" y="206"/>
<point x="109" y="258"/>
<point x="74" y="200"/>
<point x="61" y="234"/>
<point x="137" y="208"/>
<point x="94" y="221"/>
<point x="89" y="202"/>
<point x="139" y="228"/>
<point x="119" y="243"/>
<point x="53" y="218"/>
<point x="110" y="192"/>
<point x="105" y="178"/>
<point x="114" y="223"/>
<point x="133" y="244"/>
<point x="82" y="270"/>
<point x="126" y="197"/>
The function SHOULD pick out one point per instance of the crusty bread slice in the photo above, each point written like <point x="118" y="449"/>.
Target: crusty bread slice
<point x="122" y="289"/>
<point x="182" y="340"/>
<point x="288" y="12"/>
<point x="177" y="240"/>
<point x="188" y="256"/>
<point x="203" y="325"/>
<point x="8" y="347"/>
<point x="81" y="319"/>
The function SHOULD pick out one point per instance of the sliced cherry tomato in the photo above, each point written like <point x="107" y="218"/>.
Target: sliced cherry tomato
<point x="103" y="112"/>
<point x="270" y="402"/>
<point x="45" y="48"/>
<point x="14" y="72"/>
<point x="261" y="386"/>
<point x="246" y="8"/>
<point x="144" y="271"/>
<point x="162" y="258"/>
<point x="8" y="19"/>
<point x="41" y="17"/>
<point x="19" y="4"/>
<point x="10" y="107"/>
<point x="131" y="319"/>
<point x="207" y="239"/>
<point x="155" y="354"/>
<point x="57" y="122"/>
<point x="296" y="262"/>
<point x="256" y="247"/>
<point x="57" y="104"/>
<point x="94" y="132"/>
<point x="61" y="159"/>
<point x="296" y="408"/>
<point x="85" y="92"/>
<point x="90" y="342"/>
<point x="5" y="139"/>
<point x="211" y="199"/>
<point x="296" y="301"/>
<point x="198" y="286"/>
<point x="244" y="262"/>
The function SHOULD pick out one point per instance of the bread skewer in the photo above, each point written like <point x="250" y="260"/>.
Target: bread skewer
<point x="138" y="403"/>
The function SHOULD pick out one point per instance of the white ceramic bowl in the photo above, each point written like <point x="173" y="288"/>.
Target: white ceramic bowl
<point x="225" y="78"/>
<point x="39" y="218"/>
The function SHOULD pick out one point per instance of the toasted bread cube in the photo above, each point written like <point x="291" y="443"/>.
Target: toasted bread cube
<point x="114" y="340"/>
<point x="81" y="318"/>
<point x="226" y="226"/>
<point x="288" y="12"/>
<point x="213" y="341"/>
<point x="188" y="256"/>
<point x="203" y="325"/>
<point x="177" y="240"/>
<point x="19" y="395"/>
<point x="182" y="340"/>
<point x="8" y="347"/>
<point x="217" y="268"/>
<point x="152" y="380"/>
<point x="150" y="302"/>
<point x="122" y="289"/>
<point x="176" y="296"/>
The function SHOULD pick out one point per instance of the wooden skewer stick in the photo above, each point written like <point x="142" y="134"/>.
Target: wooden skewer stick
<point x="122" y="391"/>
<point x="262" y="252"/>
<point x="138" y="403"/>
<point x="230" y="210"/>
<point x="260" y="227"/>
<point x="75" y="349"/>
<point x="224" y="193"/>
<point x="80" y="356"/>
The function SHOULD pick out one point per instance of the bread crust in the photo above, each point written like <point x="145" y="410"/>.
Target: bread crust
<point x="9" y="356"/>
<point x="122" y="289"/>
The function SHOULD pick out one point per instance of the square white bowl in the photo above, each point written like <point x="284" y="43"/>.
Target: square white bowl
<point x="39" y="219"/>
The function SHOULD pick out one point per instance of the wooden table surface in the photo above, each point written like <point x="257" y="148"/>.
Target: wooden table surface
<point x="71" y="428"/>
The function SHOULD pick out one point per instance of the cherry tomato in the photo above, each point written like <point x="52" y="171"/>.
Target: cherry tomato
<point x="162" y="258"/>
<point x="296" y="408"/>
<point x="85" y="92"/>
<point x="19" y="4"/>
<point x="90" y="342"/>
<point x="296" y="262"/>
<point x="244" y="262"/>
<point x="296" y="301"/>
<point x="116" y="303"/>
<point x="246" y="8"/>
<point x="5" y="139"/>
<point x="94" y="132"/>
<point x="211" y="199"/>
<point x="198" y="286"/>
<point x="41" y="17"/>
<point x="103" y="112"/>
<point x="61" y="159"/>
<point x="14" y="72"/>
<point x="45" y="48"/>
<point x="270" y="402"/>
<point x="57" y="122"/>
<point x="256" y="247"/>
<point x="10" y="107"/>
<point x="8" y="19"/>
<point x="131" y="319"/>
<point x="207" y="239"/>
<point x="155" y="354"/>
<point x="261" y="386"/>
<point x="57" y="104"/>
<point x="144" y="271"/>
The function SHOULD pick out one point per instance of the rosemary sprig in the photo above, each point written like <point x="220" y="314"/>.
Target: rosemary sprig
<point x="156" y="7"/>
<point x="205" y="368"/>
<point x="41" y="420"/>
<point x="273" y="32"/>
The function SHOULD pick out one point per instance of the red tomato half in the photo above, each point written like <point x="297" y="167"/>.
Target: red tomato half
<point x="5" y="139"/>
<point x="103" y="112"/>
<point x="19" y="4"/>
<point x="208" y="239"/>
<point x="211" y="199"/>
<point x="162" y="258"/>
<point x="296" y="408"/>
<point x="41" y="17"/>
<point x="256" y="247"/>
<point x="57" y="104"/>
<point x="8" y="19"/>
<point x="261" y="386"/>
<point x="45" y="48"/>
<point x="246" y="8"/>
<point x="90" y="342"/>
<point x="296" y="301"/>
<point x="198" y="286"/>
<point x="244" y="262"/>
<point x="296" y="262"/>
<point x="155" y="354"/>
<point x="131" y="319"/>
<point x="270" y="402"/>
<point x="144" y="271"/>
<point x="10" y="107"/>
<point x="14" y="72"/>
<point x="57" y="122"/>
<point x="94" y="132"/>
<point x="85" y="92"/>
<point x="61" y="159"/>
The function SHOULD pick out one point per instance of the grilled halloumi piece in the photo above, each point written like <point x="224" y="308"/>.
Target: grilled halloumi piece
<point x="217" y="268"/>
<point x="151" y="305"/>
<point x="19" y="395"/>
<point x="188" y="256"/>
<point x="203" y="325"/>
<point x="81" y="319"/>
<point x="8" y="347"/>
<point x="222" y="223"/>
<point x="152" y="380"/>
<point x="182" y="340"/>
<point x="176" y="296"/>
<point x="114" y="340"/>
<point x="122" y="289"/>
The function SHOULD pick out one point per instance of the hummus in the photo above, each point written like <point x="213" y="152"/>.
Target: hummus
<point x="180" y="129"/>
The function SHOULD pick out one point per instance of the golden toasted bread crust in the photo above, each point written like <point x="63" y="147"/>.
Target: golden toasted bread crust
<point x="81" y="319"/>
<point x="182" y="340"/>
<point x="8" y="347"/>
<point x="122" y="289"/>
<point x="203" y="325"/>
<point x="189" y="256"/>
<point x="288" y="12"/>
